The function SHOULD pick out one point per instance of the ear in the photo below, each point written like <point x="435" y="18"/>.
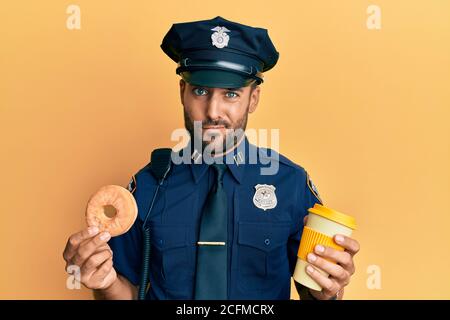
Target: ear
<point x="254" y="99"/>
<point x="182" y="88"/>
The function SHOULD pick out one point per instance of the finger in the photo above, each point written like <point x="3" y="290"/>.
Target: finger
<point x="350" y="244"/>
<point x="88" y="248"/>
<point x="305" y="219"/>
<point x="103" y="247"/>
<point x="94" y="261"/>
<point x="104" y="275"/>
<point x="343" y="258"/>
<point x="103" y="270"/>
<point x="100" y="248"/>
<point x="329" y="286"/>
<point x="76" y="239"/>
<point x="334" y="270"/>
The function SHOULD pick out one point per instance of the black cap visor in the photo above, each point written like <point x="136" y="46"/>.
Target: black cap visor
<point x="216" y="79"/>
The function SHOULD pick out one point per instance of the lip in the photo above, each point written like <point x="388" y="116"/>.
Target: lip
<point x="213" y="127"/>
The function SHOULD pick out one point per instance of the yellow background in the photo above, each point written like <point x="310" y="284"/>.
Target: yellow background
<point x="366" y="112"/>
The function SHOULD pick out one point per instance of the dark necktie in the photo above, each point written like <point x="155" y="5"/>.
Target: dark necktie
<point x="211" y="275"/>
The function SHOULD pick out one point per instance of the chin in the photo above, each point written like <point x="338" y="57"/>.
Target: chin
<point x="214" y="145"/>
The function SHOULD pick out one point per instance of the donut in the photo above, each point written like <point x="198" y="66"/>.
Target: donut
<point x="106" y="198"/>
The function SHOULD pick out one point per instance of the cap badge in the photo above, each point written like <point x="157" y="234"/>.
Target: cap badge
<point x="219" y="37"/>
<point x="264" y="197"/>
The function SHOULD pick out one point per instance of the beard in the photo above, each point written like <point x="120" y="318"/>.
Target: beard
<point x="233" y="132"/>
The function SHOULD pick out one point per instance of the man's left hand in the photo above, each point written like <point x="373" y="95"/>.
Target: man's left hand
<point x="339" y="273"/>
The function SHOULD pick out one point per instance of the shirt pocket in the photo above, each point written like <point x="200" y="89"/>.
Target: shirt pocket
<point x="172" y="258"/>
<point x="262" y="254"/>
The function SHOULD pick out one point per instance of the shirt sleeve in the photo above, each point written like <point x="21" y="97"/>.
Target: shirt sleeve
<point x="307" y="197"/>
<point x="127" y="251"/>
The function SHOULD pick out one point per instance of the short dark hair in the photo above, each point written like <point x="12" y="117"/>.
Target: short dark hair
<point x="254" y="85"/>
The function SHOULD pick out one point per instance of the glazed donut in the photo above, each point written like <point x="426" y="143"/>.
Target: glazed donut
<point x="122" y="201"/>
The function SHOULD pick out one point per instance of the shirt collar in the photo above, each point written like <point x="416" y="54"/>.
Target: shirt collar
<point x="239" y="156"/>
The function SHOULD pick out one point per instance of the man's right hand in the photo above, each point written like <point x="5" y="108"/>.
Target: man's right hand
<point x="89" y="251"/>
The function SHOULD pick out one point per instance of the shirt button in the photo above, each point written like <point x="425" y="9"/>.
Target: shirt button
<point x="267" y="242"/>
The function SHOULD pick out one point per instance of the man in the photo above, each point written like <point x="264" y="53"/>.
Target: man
<point x="221" y="229"/>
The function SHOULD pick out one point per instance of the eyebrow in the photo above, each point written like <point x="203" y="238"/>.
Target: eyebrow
<point x="234" y="89"/>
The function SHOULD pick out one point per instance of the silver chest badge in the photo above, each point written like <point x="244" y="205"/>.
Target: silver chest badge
<point x="219" y="37"/>
<point x="264" y="197"/>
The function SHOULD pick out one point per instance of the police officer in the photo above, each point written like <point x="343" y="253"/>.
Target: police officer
<point x="226" y="228"/>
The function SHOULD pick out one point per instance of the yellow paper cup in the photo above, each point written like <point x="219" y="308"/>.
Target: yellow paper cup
<point x="322" y="225"/>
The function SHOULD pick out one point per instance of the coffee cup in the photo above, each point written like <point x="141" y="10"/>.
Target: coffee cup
<point x="322" y="225"/>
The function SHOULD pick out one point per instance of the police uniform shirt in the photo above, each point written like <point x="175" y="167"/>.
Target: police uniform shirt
<point x="262" y="244"/>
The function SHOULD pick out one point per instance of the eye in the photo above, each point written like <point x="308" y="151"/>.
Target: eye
<point x="231" y="94"/>
<point x="200" y="91"/>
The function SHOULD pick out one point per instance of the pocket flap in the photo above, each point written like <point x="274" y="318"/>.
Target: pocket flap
<point x="168" y="236"/>
<point x="264" y="236"/>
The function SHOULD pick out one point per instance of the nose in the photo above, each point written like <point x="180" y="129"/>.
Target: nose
<point x="213" y="107"/>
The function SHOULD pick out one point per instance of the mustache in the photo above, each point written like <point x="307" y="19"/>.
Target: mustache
<point x="216" y="123"/>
